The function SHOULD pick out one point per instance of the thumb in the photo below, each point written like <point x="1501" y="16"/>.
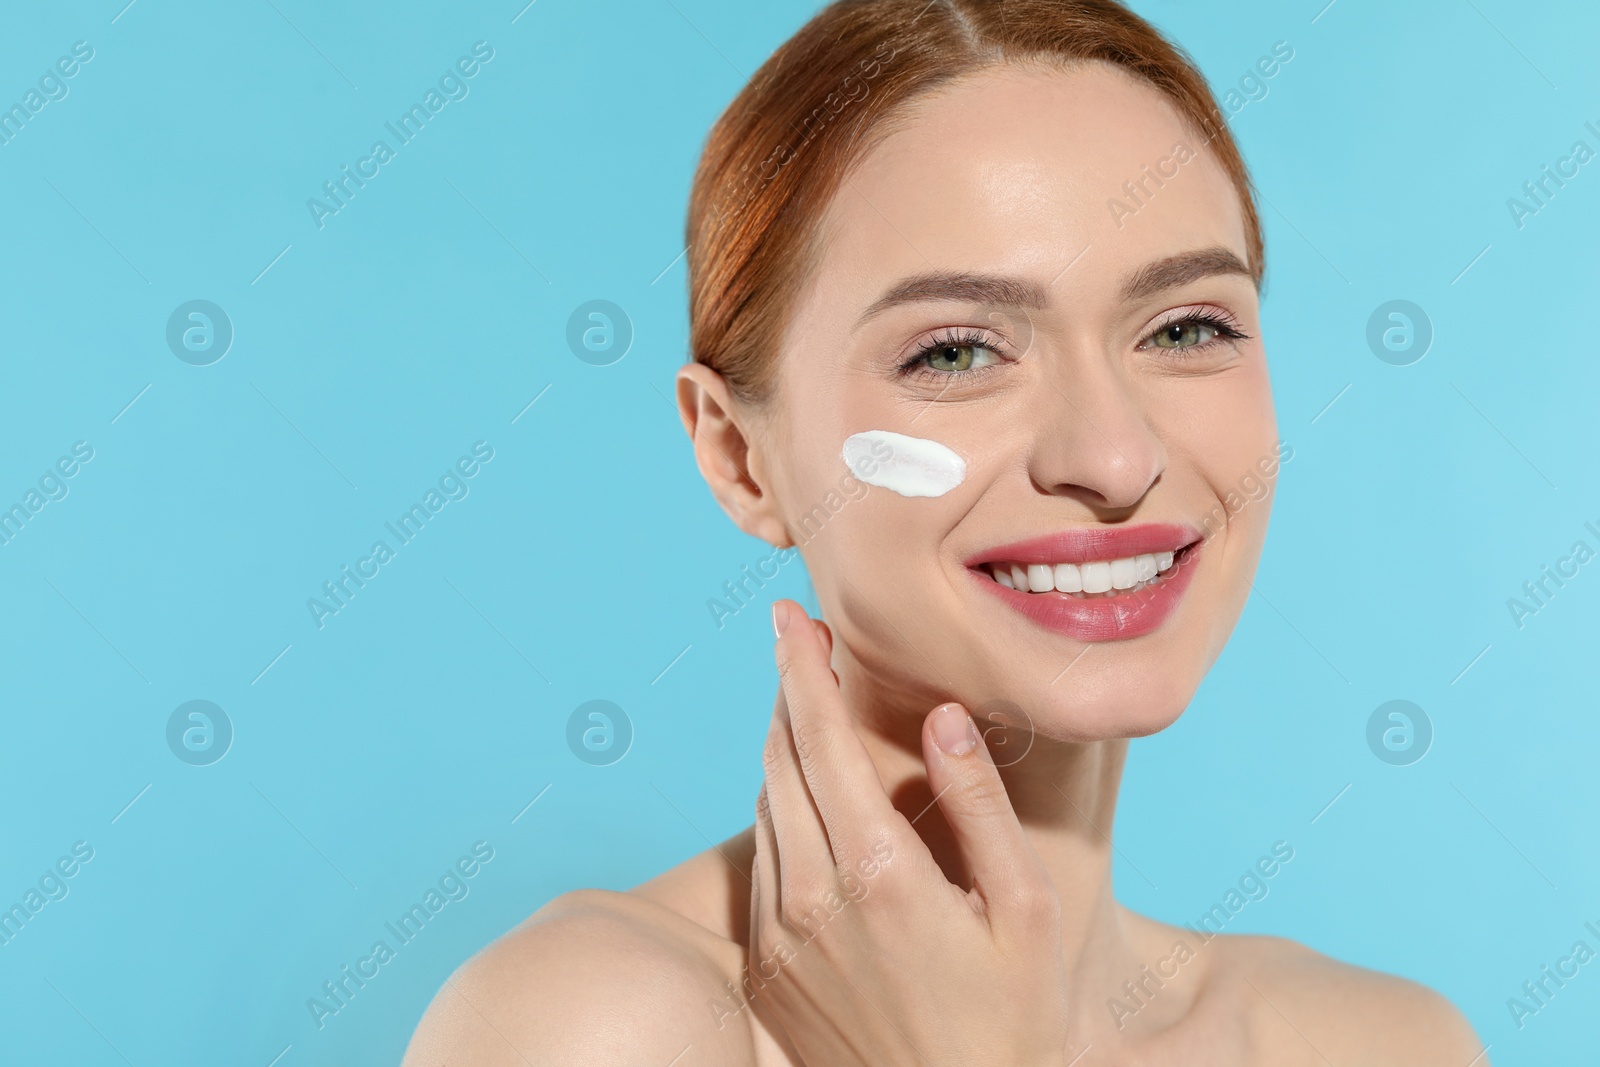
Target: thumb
<point x="1005" y="868"/>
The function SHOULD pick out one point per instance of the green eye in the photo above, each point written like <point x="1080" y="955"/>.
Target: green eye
<point x="954" y="354"/>
<point x="1185" y="334"/>
<point x="954" y="358"/>
<point x="1193" y="331"/>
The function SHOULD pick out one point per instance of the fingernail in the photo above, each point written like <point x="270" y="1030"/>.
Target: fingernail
<point x="953" y="730"/>
<point x="780" y="618"/>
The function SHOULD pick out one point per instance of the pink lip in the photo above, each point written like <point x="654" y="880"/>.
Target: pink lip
<point x="1098" y="618"/>
<point x="1087" y="545"/>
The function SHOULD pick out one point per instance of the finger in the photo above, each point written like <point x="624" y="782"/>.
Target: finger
<point x="826" y="635"/>
<point x="764" y="879"/>
<point x="1005" y="868"/>
<point x="827" y="645"/>
<point x="842" y="779"/>
<point x="800" y="839"/>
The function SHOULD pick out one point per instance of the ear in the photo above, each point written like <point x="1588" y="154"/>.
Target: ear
<point x="729" y="457"/>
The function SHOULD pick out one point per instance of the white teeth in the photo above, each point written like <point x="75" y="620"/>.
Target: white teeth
<point x="1068" y="578"/>
<point x="1097" y="577"/>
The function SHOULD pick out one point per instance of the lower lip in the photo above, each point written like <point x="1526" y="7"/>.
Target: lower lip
<point x="1103" y="618"/>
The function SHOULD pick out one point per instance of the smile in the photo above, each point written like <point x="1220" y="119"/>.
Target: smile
<point x="1096" y="584"/>
<point x="1097" y="578"/>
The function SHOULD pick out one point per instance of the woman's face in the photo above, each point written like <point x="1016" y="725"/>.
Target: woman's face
<point x="1038" y="270"/>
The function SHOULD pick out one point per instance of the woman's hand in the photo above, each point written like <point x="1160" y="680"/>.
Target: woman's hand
<point x="860" y="948"/>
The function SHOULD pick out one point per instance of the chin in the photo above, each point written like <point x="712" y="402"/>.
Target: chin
<point x="1103" y="702"/>
<point x="1117" y="704"/>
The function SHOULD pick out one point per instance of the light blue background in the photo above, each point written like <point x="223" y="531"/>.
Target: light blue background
<point x="429" y="312"/>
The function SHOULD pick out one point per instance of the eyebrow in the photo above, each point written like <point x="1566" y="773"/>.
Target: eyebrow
<point x="1181" y="269"/>
<point x="1152" y="278"/>
<point x="959" y="285"/>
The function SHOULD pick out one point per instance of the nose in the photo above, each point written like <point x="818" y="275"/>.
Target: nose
<point x="1093" y="439"/>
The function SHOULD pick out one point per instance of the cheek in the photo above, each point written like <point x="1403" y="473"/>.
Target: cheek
<point x="870" y="530"/>
<point x="1226" y="425"/>
<point x="908" y="466"/>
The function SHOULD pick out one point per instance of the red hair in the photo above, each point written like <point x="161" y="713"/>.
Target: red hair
<point x="779" y="152"/>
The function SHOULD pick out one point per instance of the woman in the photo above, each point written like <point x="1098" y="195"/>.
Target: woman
<point x="999" y="262"/>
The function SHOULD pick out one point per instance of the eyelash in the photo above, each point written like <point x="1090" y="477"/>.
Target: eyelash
<point x="961" y="338"/>
<point x="1226" y="329"/>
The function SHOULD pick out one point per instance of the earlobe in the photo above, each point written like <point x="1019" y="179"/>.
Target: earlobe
<point x="726" y="454"/>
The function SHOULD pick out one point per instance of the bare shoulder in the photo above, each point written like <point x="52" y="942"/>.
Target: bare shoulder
<point x="593" y="978"/>
<point x="1345" y="1013"/>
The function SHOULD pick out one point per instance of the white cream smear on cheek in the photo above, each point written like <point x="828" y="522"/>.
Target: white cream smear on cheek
<point x="913" y="466"/>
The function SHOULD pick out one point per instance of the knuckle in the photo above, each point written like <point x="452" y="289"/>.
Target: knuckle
<point x="808" y="744"/>
<point x="981" y="793"/>
<point x="895" y="887"/>
<point x="771" y="758"/>
<point x="811" y="899"/>
<point x="851" y="885"/>
<point x="804" y="913"/>
<point x="1036" y="901"/>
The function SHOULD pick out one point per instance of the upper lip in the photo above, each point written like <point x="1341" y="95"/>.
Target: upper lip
<point x="1086" y="544"/>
